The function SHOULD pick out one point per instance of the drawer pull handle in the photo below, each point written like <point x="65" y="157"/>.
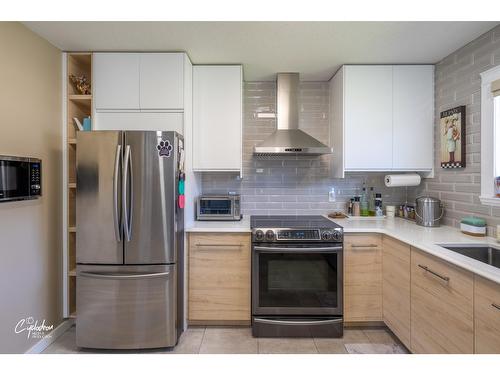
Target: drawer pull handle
<point x="363" y="246"/>
<point x="219" y="245"/>
<point x="495" y="306"/>
<point x="427" y="269"/>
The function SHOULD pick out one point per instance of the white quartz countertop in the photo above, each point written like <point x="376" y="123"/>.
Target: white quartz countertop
<point x="221" y="226"/>
<point x="426" y="239"/>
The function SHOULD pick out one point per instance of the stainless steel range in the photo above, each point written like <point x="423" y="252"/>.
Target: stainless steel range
<point x="297" y="276"/>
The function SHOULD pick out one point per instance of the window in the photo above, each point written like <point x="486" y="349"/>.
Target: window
<point x="490" y="137"/>
<point x="496" y="122"/>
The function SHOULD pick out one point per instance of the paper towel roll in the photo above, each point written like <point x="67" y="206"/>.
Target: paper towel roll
<point x="395" y="180"/>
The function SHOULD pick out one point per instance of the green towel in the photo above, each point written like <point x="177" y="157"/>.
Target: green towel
<point x="474" y="221"/>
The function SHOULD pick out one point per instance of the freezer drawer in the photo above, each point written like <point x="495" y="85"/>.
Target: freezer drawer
<point x="126" y="307"/>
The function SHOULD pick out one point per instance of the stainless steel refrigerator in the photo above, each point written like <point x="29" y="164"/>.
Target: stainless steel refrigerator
<point x="129" y="239"/>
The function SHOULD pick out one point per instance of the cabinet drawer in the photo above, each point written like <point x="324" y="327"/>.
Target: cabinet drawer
<point x="486" y="316"/>
<point x="219" y="277"/>
<point x="362" y="278"/>
<point x="362" y="241"/>
<point x="441" y="306"/>
<point x="396" y="288"/>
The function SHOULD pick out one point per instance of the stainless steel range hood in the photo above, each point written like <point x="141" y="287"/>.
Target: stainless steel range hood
<point x="288" y="139"/>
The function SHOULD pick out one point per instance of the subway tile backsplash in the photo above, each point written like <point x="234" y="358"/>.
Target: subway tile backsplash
<point x="458" y="82"/>
<point x="289" y="185"/>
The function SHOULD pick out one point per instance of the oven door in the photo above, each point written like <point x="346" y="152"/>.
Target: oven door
<point x="297" y="279"/>
<point x="14" y="179"/>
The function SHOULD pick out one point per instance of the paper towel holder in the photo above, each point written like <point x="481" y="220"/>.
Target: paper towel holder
<point x="402" y="180"/>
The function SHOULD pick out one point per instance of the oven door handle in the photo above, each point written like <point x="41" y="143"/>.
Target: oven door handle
<point x="297" y="322"/>
<point x="265" y="249"/>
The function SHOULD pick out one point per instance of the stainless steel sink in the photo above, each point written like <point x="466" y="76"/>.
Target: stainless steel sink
<point x="480" y="252"/>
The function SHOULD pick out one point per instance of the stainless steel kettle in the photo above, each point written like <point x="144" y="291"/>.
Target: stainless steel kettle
<point x="428" y="211"/>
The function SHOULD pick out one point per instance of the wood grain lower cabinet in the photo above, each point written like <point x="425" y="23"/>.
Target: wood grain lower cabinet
<point x="486" y="316"/>
<point x="441" y="306"/>
<point x="219" y="278"/>
<point x="362" y="278"/>
<point x="396" y="265"/>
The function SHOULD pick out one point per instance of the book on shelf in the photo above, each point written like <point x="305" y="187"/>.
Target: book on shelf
<point x="78" y="124"/>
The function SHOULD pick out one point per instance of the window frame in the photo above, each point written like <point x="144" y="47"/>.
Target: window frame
<point x="487" y="196"/>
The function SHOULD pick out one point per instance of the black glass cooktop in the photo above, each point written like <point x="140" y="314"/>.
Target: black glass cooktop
<point x="290" y="221"/>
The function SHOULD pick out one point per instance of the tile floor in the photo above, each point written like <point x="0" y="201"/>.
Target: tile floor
<point x="212" y="340"/>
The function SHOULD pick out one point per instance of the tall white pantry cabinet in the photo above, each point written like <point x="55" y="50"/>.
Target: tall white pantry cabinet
<point x="382" y="118"/>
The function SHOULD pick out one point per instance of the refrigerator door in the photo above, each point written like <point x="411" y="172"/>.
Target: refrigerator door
<point x="150" y="197"/>
<point x="126" y="307"/>
<point x="99" y="237"/>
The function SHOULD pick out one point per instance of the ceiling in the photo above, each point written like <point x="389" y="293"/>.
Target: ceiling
<point x="314" y="49"/>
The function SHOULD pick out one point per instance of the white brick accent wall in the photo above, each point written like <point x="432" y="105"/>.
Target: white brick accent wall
<point x="458" y="83"/>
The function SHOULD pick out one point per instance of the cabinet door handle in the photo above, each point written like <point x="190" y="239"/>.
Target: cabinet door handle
<point x="363" y="246"/>
<point x="218" y="245"/>
<point x="427" y="269"/>
<point x="495" y="306"/>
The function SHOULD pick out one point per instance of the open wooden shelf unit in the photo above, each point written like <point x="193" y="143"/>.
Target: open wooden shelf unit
<point x="79" y="106"/>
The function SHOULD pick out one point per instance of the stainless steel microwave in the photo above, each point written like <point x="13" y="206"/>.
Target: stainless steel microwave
<point x="20" y="178"/>
<point x="218" y="207"/>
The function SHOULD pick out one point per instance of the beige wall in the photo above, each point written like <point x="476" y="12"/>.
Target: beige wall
<point x="30" y="231"/>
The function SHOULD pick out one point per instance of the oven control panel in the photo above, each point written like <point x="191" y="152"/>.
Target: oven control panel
<point x="293" y="234"/>
<point x="271" y="235"/>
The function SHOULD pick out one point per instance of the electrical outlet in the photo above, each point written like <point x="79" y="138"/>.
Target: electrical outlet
<point x="332" y="196"/>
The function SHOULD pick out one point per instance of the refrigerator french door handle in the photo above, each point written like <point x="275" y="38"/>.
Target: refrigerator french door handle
<point x="127" y="211"/>
<point x="131" y="208"/>
<point x="123" y="276"/>
<point x="118" y="156"/>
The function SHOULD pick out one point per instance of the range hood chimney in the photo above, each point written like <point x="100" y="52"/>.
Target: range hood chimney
<point x="288" y="139"/>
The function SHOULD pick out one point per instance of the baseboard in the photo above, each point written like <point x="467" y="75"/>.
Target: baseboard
<point x="216" y="323"/>
<point x="364" y="324"/>
<point x="41" y="345"/>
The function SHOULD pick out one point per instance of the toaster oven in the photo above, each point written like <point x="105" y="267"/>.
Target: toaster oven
<point x="218" y="207"/>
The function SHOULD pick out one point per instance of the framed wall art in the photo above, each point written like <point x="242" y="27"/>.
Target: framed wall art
<point x="452" y="132"/>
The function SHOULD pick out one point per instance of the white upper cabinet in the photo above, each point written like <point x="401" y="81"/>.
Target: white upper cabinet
<point x="413" y="115"/>
<point x="382" y="118"/>
<point x="217" y="117"/>
<point x="163" y="121"/>
<point x="139" y="81"/>
<point x="116" y="81"/>
<point x="162" y="81"/>
<point x="368" y="117"/>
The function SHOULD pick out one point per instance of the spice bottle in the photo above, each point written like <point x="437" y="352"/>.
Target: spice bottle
<point x="356" y="207"/>
<point x="349" y="206"/>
